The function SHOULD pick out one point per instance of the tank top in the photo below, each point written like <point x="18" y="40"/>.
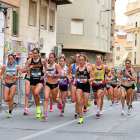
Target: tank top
<point x="82" y="75"/>
<point x="73" y="71"/>
<point x="62" y="81"/>
<point x="10" y="72"/>
<point x="100" y="78"/>
<point x="114" y="80"/>
<point x="125" y="76"/>
<point x="51" y="70"/>
<point x="36" y="71"/>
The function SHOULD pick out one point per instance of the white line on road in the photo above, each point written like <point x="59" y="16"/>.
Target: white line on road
<point x="56" y="127"/>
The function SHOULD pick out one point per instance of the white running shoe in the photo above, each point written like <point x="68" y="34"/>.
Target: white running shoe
<point x="129" y="111"/>
<point x="123" y="111"/>
<point x="101" y="112"/>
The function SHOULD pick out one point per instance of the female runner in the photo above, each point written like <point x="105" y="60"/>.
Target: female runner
<point x="73" y="63"/>
<point x="63" y="83"/>
<point x="10" y="83"/>
<point x="99" y="82"/>
<point x="27" y="84"/>
<point x="52" y="72"/>
<point x="82" y="76"/>
<point x="36" y="65"/>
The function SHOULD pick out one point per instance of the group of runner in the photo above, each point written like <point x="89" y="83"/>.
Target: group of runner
<point x="76" y="73"/>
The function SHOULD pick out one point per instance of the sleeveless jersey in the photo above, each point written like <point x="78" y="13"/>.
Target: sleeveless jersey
<point x="51" y="70"/>
<point x="36" y="71"/>
<point x="100" y="78"/>
<point x="125" y="76"/>
<point x="10" y="72"/>
<point x="73" y="71"/>
<point x="114" y="80"/>
<point x="62" y="81"/>
<point x="82" y="75"/>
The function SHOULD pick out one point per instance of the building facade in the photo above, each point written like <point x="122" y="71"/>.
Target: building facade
<point x="133" y="32"/>
<point x="89" y="27"/>
<point x="4" y="4"/>
<point x="32" y="25"/>
<point x="120" y="41"/>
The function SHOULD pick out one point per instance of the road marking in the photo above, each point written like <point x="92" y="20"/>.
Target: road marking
<point x="56" y="127"/>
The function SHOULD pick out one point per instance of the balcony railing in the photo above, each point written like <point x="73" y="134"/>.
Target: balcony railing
<point x="133" y="6"/>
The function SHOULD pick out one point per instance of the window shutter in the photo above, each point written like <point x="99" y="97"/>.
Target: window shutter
<point x="16" y="23"/>
<point x="14" y="20"/>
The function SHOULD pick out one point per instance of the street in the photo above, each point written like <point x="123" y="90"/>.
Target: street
<point x="110" y="126"/>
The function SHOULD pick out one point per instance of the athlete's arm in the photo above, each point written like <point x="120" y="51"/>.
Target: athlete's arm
<point x="44" y="64"/>
<point x="69" y="69"/>
<point x="58" y="70"/>
<point x="107" y="69"/>
<point x="75" y="79"/>
<point x="2" y="71"/>
<point x="20" y="72"/>
<point x="27" y="64"/>
<point x="133" y="76"/>
<point x="91" y="73"/>
<point x="136" y="79"/>
<point x="1" y="67"/>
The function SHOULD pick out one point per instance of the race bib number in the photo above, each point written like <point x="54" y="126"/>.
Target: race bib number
<point x="126" y="79"/>
<point x="108" y="85"/>
<point x="10" y="73"/>
<point x="113" y="81"/>
<point x="80" y="78"/>
<point x="62" y="79"/>
<point x="36" y="74"/>
<point x="97" y="81"/>
<point x="50" y="71"/>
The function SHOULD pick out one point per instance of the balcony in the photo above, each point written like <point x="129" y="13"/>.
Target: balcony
<point x="132" y="8"/>
<point x="128" y="45"/>
<point x="133" y="26"/>
<point x="61" y="2"/>
<point x="9" y="3"/>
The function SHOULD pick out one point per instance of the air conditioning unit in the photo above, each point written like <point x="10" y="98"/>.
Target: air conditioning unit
<point x="58" y="51"/>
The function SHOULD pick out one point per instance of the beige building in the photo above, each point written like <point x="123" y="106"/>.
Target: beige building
<point x="120" y="41"/>
<point x="133" y="32"/>
<point x="3" y="5"/>
<point x="31" y="25"/>
<point x="89" y="27"/>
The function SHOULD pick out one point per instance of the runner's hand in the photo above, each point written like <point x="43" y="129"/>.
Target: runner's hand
<point x="43" y="71"/>
<point x="42" y="77"/>
<point x="73" y="83"/>
<point x="31" y="67"/>
<point x="3" y="82"/>
<point x="49" y="75"/>
<point x="17" y="77"/>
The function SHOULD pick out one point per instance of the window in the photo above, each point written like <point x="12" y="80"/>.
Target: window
<point x="135" y="39"/>
<point x="102" y="31"/>
<point x="43" y="17"/>
<point x="32" y="13"/>
<point x="117" y="57"/>
<point x="110" y="45"/>
<point x="135" y="60"/>
<point x="15" y="22"/>
<point x="106" y="33"/>
<point x="52" y="20"/>
<point x="111" y="15"/>
<point x="129" y="36"/>
<point x="136" y="24"/>
<point x="97" y="29"/>
<point x="77" y="26"/>
<point x="118" y="48"/>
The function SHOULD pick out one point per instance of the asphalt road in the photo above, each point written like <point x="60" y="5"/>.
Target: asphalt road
<point x="110" y="126"/>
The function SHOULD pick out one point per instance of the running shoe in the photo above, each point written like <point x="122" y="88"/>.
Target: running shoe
<point x="119" y="100"/>
<point x="80" y="121"/>
<point x="76" y="115"/>
<point x="44" y="116"/>
<point x="123" y="111"/>
<point x="130" y="106"/>
<point x="62" y="114"/>
<point x="9" y="115"/>
<point x="129" y="111"/>
<point x="84" y="110"/>
<point x="51" y="109"/>
<point x="95" y="102"/>
<point x="89" y="103"/>
<point x="108" y="100"/>
<point x="38" y="112"/>
<point x="60" y="106"/>
<point x="26" y="112"/>
<point x="112" y="104"/>
<point x="98" y="114"/>
<point x="117" y="103"/>
<point x="101" y="113"/>
<point x="88" y="108"/>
